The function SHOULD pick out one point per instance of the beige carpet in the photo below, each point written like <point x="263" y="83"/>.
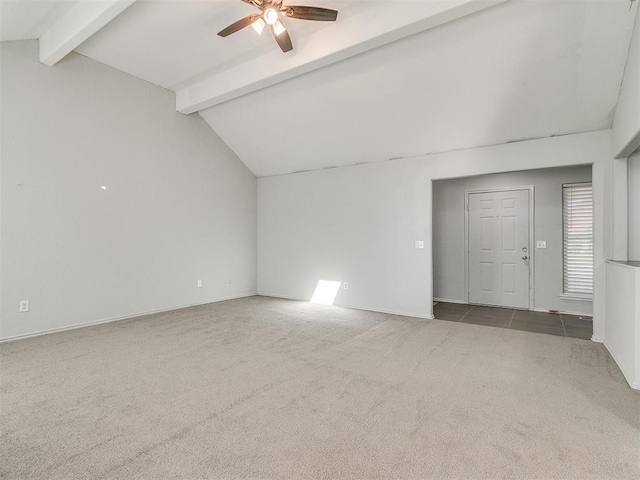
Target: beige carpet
<point x="266" y="388"/>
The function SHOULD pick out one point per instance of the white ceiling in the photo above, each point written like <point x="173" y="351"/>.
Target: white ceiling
<point x="28" y="19"/>
<point x="174" y="43"/>
<point x="515" y="71"/>
<point x="511" y="71"/>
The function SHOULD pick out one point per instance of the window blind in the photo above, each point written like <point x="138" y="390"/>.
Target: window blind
<point x="577" y="213"/>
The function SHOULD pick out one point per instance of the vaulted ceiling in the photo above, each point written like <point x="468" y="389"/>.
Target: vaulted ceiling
<point x="389" y="79"/>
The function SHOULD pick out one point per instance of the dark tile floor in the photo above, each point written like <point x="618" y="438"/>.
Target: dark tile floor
<point x="537" y="322"/>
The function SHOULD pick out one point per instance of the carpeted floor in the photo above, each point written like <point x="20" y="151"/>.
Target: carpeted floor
<point x="266" y="388"/>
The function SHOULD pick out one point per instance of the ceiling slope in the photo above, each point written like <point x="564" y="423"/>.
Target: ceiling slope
<point x="28" y="20"/>
<point x="174" y="43"/>
<point x="516" y="71"/>
<point x="389" y="79"/>
<point x="365" y="27"/>
<point x="78" y="24"/>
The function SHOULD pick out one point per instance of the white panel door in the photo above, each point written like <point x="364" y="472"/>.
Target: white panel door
<point x="499" y="248"/>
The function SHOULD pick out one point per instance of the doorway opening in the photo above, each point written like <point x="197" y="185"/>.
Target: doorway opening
<point x="498" y="243"/>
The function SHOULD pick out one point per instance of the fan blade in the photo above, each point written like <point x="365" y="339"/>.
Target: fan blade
<point x="239" y="25"/>
<point x="284" y="40"/>
<point x="311" y="13"/>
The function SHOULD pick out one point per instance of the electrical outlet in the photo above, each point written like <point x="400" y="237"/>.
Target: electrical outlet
<point x="230" y="282"/>
<point x="346" y="285"/>
<point x="199" y="283"/>
<point x="541" y="244"/>
<point x="24" y="305"/>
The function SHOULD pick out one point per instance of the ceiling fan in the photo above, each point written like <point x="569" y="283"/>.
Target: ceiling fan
<point x="272" y="12"/>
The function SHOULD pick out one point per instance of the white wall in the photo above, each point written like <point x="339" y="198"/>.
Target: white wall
<point x="634" y="206"/>
<point x="179" y="205"/>
<point x="359" y="223"/>
<point x="448" y="232"/>
<point x="626" y="121"/>
<point x="623" y="319"/>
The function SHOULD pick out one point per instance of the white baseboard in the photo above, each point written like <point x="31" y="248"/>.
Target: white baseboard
<point x="354" y="307"/>
<point x="389" y="312"/>
<point x="630" y="380"/>
<point x="116" y="319"/>
<point x="449" y="300"/>
<point x="283" y="297"/>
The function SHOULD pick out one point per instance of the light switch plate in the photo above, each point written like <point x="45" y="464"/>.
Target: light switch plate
<point x="541" y="244"/>
<point x="419" y="244"/>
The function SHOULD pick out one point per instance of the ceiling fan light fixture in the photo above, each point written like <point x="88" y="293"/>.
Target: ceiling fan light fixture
<point x="270" y="16"/>
<point x="270" y="12"/>
<point x="258" y="25"/>
<point x="278" y="28"/>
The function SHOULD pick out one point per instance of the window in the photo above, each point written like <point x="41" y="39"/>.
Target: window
<point x="577" y="214"/>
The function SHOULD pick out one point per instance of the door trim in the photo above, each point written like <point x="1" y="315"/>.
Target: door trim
<point x="532" y="263"/>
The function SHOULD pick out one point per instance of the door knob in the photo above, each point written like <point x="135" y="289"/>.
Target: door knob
<point x="524" y="257"/>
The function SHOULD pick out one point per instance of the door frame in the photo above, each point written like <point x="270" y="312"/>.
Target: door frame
<point x="531" y="190"/>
